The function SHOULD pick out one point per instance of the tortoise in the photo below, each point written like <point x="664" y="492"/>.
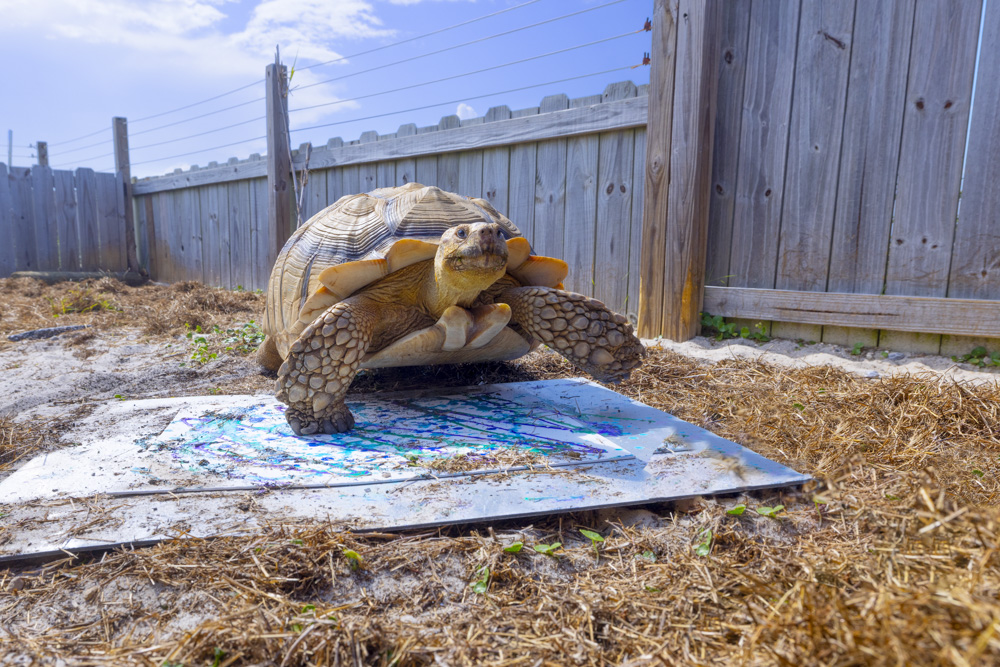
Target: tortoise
<point x="415" y="275"/>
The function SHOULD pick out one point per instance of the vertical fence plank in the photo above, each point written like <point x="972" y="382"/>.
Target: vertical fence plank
<point x="767" y="101"/>
<point x="580" y="221"/>
<point x="686" y="232"/>
<point x="367" y="174"/>
<point x="734" y="30"/>
<point x="215" y="237"/>
<point x="110" y="222"/>
<point x="65" y="220"/>
<point x="426" y="170"/>
<point x="815" y="134"/>
<point x="350" y="180"/>
<point x="167" y="238"/>
<point x="470" y="174"/>
<point x="23" y="219"/>
<point x="635" y="249"/>
<point x="656" y="172"/>
<point x="448" y="163"/>
<point x="148" y="204"/>
<point x="261" y="244"/>
<point x="521" y="195"/>
<point x="406" y="170"/>
<point x="496" y="166"/>
<point x="8" y="251"/>
<point x="614" y="208"/>
<point x="87" y="220"/>
<point x="550" y="187"/>
<point x="975" y="269"/>
<point x="873" y="123"/>
<point x="935" y="122"/>
<point x="46" y="232"/>
<point x="385" y="174"/>
<point x="240" y="223"/>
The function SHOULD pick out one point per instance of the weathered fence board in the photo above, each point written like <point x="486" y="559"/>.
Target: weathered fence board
<point x="8" y="251"/>
<point x="938" y="97"/>
<point x="760" y="176"/>
<point x="46" y="232"/>
<point x="90" y="232"/>
<point x="65" y="226"/>
<point x="23" y="219"/>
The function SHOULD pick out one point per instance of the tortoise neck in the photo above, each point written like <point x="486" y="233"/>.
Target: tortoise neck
<point x="451" y="287"/>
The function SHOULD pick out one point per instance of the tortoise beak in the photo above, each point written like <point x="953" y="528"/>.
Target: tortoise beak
<point x="485" y="249"/>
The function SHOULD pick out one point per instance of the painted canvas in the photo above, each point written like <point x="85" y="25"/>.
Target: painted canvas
<point x="393" y="439"/>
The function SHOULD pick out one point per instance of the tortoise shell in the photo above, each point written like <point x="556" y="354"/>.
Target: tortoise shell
<point x="361" y="238"/>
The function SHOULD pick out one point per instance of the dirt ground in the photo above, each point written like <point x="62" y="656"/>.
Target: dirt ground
<point x="890" y="557"/>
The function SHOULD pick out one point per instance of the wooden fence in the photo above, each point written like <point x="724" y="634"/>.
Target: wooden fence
<point x="840" y="138"/>
<point x="803" y="167"/>
<point x="55" y="220"/>
<point x="568" y="172"/>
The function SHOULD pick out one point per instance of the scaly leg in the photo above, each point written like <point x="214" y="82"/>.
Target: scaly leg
<point x="579" y="328"/>
<point x="321" y="364"/>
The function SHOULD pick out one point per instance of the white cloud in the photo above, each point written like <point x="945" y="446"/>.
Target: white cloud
<point x="465" y="111"/>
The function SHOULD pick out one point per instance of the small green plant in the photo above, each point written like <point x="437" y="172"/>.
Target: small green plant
<point x="798" y="406"/>
<point x="979" y="356"/>
<point x="885" y="354"/>
<point x="514" y="547"/>
<point x="770" y="512"/>
<point x="353" y="559"/>
<point x="858" y="347"/>
<point x="81" y="300"/>
<point x="704" y="547"/>
<point x="548" y="549"/>
<point x="120" y="397"/>
<point x="218" y="657"/>
<point x="297" y="542"/>
<point x="200" y="353"/>
<point x="716" y="325"/>
<point x="482" y="584"/>
<point x="977" y="472"/>
<point x="593" y="537"/>
<point x="647" y="556"/>
<point x="737" y="511"/>
<point x="651" y="589"/>
<point x="244" y="339"/>
<point x="309" y="608"/>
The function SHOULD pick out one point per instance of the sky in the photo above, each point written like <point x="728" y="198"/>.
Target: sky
<point x="75" y="64"/>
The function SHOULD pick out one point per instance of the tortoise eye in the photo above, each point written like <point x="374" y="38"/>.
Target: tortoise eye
<point x="461" y="233"/>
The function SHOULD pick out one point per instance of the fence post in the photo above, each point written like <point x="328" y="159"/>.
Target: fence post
<point x="679" y="136"/>
<point x="119" y="127"/>
<point x="279" y="166"/>
<point x="654" y="205"/>
<point x="42" y="148"/>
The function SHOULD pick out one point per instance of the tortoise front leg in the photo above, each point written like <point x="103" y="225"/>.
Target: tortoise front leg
<point x="579" y="328"/>
<point x="320" y="366"/>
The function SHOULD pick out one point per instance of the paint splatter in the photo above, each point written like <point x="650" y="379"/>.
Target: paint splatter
<point x="391" y="439"/>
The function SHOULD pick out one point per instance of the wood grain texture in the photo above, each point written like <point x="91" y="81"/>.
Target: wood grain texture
<point x="815" y="132"/>
<point x="933" y="143"/>
<point x="406" y="169"/>
<point x="367" y="173"/>
<point x="967" y="317"/>
<point x="212" y="203"/>
<point x="65" y="220"/>
<point x="550" y="187"/>
<point x="635" y="245"/>
<point x="110" y="222"/>
<point x="657" y="170"/>
<point x="470" y="173"/>
<point x="124" y="170"/>
<point x="767" y="99"/>
<point x="240" y="224"/>
<point x="496" y="166"/>
<point x="385" y="174"/>
<point x="426" y="171"/>
<point x="448" y="162"/>
<point x="23" y="218"/>
<point x="262" y="249"/>
<point x="733" y="33"/>
<point x="44" y="203"/>
<point x="278" y="165"/>
<point x="580" y="217"/>
<point x="870" y="149"/>
<point x="521" y="195"/>
<point x="693" y="124"/>
<point x="975" y="267"/>
<point x="8" y="252"/>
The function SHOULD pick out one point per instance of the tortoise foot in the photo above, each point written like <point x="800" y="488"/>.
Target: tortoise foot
<point x="581" y="329"/>
<point x="333" y="419"/>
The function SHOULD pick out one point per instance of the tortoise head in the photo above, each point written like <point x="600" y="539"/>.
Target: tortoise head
<point x="471" y="256"/>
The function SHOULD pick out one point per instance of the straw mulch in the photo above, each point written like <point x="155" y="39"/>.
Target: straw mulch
<point x="890" y="557"/>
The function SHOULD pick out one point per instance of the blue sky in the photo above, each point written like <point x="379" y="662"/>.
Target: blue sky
<point x="73" y="64"/>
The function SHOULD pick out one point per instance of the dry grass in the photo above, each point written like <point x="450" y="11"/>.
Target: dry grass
<point x="889" y="558"/>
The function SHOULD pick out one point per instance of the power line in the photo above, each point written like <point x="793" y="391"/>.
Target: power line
<point x="204" y="115"/>
<point x="204" y="150"/>
<point x="426" y="34"/>
<point x="469" y="43"/>
<point x="459" y="76"/>
<point x="96" y="157"/>
<point x="464" y="99"/>
<point x="81" y="148"/>
<point x="199" y="134"/>
<point x="194" y="104"/>
<point x="85" y="136"/>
